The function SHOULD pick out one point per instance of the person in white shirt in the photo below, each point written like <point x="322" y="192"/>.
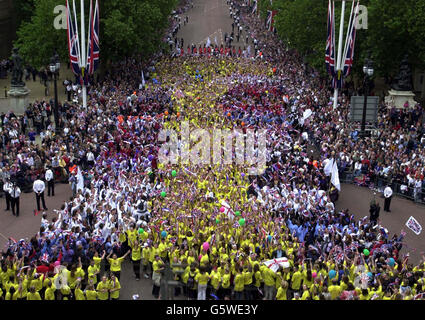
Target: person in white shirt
<point x="90" y="158"/>
<point x="38" y="188"/>
<point x="50" y="181"/>
<point x="15" y="193"/>
<point x="6" y="188"/>
<point x="388" y="194"/>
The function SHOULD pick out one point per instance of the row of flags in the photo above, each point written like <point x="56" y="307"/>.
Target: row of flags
<point x="93" y="47"/>
<point x="348" y="53"/>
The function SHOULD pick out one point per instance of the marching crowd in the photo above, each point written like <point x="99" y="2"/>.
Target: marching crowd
<point x="216" y="225"/>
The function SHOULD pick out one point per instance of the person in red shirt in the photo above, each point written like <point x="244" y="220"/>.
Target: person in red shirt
<point x="46" y="267"/>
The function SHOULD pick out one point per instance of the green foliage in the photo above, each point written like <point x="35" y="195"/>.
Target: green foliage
<point x="394" y="29"/>
<point x="126" y="27"/>
<point x="301" y="24"/>
<point x="23" y="10"/>
<point x="37" y="39"/>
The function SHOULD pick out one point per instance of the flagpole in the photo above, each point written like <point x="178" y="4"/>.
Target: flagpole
<point x="339" y="56"/>
<point x="89" y="35"/>
<point x="83" y="55"/>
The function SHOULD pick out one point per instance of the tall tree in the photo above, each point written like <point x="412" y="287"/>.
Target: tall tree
<point x="23" y="10"/>
<point x="37" y="39"/>
<point x="301" y="24"/>
<point x="126" y="27"/>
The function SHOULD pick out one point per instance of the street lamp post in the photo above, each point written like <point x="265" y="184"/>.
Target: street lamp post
<point x="368" y="72"/>
<point x="54" y="68"/>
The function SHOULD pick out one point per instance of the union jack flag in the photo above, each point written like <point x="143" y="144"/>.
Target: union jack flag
<point x="73" y="43"/>
<point x="45" y="257"/>
<point x="349" y="49"/>
<point x="254" y="9"/>
<point x="270" y="20"/>
<point x="330" y="42"/>
<point x="93" y="47"/>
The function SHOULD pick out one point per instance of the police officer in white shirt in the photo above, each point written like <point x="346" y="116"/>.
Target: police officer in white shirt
<point x="38" y="188"/>
<point x="6" y="188"/>
<point x="15" y="193"/>
<point x="50" y="181"/>
<point x="388" y="194"/>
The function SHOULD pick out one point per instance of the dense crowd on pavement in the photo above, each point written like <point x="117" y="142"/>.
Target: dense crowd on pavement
<point x="223" y="232"/>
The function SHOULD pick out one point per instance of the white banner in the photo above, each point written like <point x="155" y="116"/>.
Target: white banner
<point x="414" y="225"/>
<point x="274" y="264"/>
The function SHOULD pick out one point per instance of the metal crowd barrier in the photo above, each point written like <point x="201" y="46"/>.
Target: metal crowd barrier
<point x="379" y="183"/>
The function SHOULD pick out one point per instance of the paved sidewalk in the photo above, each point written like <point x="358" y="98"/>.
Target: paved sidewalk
<point x="37" y="89"/>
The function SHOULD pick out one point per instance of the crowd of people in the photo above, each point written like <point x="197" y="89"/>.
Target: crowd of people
<point x="223" y="232"/>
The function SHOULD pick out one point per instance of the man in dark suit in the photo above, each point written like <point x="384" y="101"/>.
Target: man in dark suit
<point x="374" y="212"/>
<point x="15" y="194"/>
<point x="278" y="253"/>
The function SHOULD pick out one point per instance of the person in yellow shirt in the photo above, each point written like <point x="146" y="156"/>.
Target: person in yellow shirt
<point x="202" y="279"/>
<point x="10" y="295"/>
<point x="90" y="291"/>
<point x="296" y="279"/>
<point x="49" y="293"/>
<point x="248" y="275"/>
<point x="306" y="293"/>
<point x="225" y="284"/>
<point x="21" y="292"/>
<point x="103" y="289"/>
<point x="239" y="284"/>
<point x="215" y="281"/>
<point x="152" y="253"/>
<point x="132" y="233"/>
<point x="308" y="278"/>
<point x="94" y="268"/>
<point x="37" y="282"/>
<point x="157" y="266"/>
<point x="146" y="267"/>
<point x="115" y="263"/>
<point x="334" y="289"/>
<point x="77" y="273"/>
<point x="78" y="293"/>
<point x="33" y="294"/>
<point x="114" y="287"/>
<point x="258" y="281"/>
<point x="92" y="272"/>
<point x="136" y="257"/>
<point x="282" y="291"/>
<point x="269" y="282"/>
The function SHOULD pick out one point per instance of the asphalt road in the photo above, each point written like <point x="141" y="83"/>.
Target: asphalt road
<point x="209" y="18"/>
<point x="357" y="200"/>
